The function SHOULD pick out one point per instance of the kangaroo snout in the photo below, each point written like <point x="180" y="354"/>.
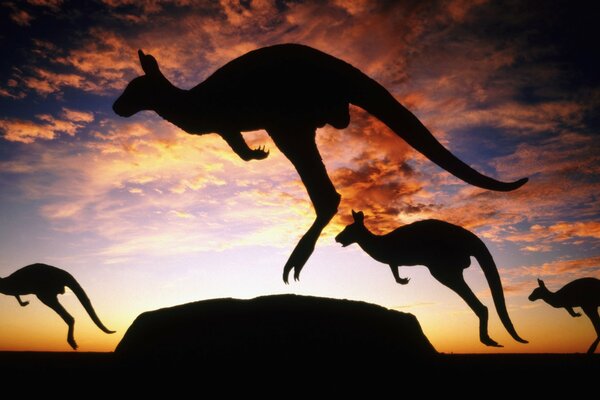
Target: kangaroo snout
<point x="532" y="297"/>
<point x="121" y="110"/>
<point x="340" y="239"/>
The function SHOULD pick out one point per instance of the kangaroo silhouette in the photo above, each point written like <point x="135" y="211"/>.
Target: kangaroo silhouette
<point x="446" y="250"/>
<point x="47" y="282"/>
<point x="289" y="90"/>
<point x="584" y="293"/>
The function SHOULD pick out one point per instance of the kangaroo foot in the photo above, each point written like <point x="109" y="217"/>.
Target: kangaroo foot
<point x="298" y="258"/>
<point x="489" y="342"/>
<point x="72" y="343"/>
<point x="296" y="262"/>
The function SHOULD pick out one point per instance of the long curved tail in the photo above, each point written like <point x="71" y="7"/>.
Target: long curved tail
<point x="374" y="98"/>
<point x="86" y="303"/>
<point x="486" y="261"/>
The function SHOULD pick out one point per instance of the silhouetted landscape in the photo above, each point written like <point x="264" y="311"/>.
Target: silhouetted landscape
<point x="300" y="328"/>
<point x="320" y="339"/>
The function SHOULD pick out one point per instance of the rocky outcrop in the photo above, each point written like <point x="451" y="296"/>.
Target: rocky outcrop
<point x="278" y="328"/>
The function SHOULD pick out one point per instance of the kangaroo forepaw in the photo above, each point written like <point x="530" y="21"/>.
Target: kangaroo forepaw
<point x="403" y="281"/>
<point x="259" y="153"/>
<point x="577" y="314"/>
<point x="23" y="304"/>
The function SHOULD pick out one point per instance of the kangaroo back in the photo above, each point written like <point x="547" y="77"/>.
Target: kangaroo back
<point x="85" y="302"/>
<point x="486" y="261"/>
<point x="374" y="98"/>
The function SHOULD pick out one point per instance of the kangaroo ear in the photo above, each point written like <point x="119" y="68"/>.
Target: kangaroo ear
<point x="541" y="283"/>
<point x="358" y="216"/>
<point x="149" y="64"/>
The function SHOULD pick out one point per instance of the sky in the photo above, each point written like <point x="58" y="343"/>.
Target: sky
<point x="146" y="216"/>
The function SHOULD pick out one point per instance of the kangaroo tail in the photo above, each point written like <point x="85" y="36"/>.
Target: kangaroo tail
<point x="486" y="261"/>
<point x="86" y="303"/>
<point x="374" y="98"/>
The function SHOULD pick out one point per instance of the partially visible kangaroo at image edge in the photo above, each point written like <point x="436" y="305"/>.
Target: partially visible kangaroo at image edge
<point x="289" y="90"/>
<point x="446" y="250"/>
<point x="47" y="282"/>
<point x="584" y="293"/>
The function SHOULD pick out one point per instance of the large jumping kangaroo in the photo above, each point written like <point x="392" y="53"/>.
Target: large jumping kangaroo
<point x="446" y="250"/>
<point x="289" y="90"/>
<point x="47" y="282"/>
<point x="584" y="293"/>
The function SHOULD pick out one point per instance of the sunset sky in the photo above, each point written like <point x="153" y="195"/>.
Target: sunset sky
<point x="146" y="216"/>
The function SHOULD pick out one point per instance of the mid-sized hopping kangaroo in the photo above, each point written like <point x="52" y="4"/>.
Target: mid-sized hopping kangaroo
<point x="289" y="90"/>
<point x="584" y="293"/>
<point x="47" y="282"/>
<point x="446" y="250"/>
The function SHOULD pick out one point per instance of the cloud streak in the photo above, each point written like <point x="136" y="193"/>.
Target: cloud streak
<point x="47" y="128"/>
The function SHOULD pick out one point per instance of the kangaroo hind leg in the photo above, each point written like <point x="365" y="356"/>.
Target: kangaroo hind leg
<point x="52" y="302"/>
<point x="453" y="279"/>
<point x="298" y="145"/>
<point x="592" y="313"/>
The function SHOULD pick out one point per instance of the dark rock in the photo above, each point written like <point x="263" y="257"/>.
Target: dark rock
<point x="279" y="329"/>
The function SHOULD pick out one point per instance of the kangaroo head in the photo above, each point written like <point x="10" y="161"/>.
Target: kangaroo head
<point x="539" y="292"/>
<point x="352" y="232"/>
<point x="142" y="92"/>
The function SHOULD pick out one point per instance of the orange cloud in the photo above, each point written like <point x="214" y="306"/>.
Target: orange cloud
<point x="16" y="130"/>
<point x="46" y="82"/>
<point x="25" y="131"/>
<point x="565" y="268"/>
<point x="77" y="116"/>
<point x="558" y="232"/>
<point x="556" y="273"/>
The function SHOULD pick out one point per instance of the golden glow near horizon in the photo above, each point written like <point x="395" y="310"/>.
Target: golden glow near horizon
<point x="145" y="216"/>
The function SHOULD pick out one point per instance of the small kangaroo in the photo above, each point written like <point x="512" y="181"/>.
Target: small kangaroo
<point x="47" y="282"/>
<point x="446" y="250"/>
<point x="289" y="90"/>
<point x="584" y="293"/>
